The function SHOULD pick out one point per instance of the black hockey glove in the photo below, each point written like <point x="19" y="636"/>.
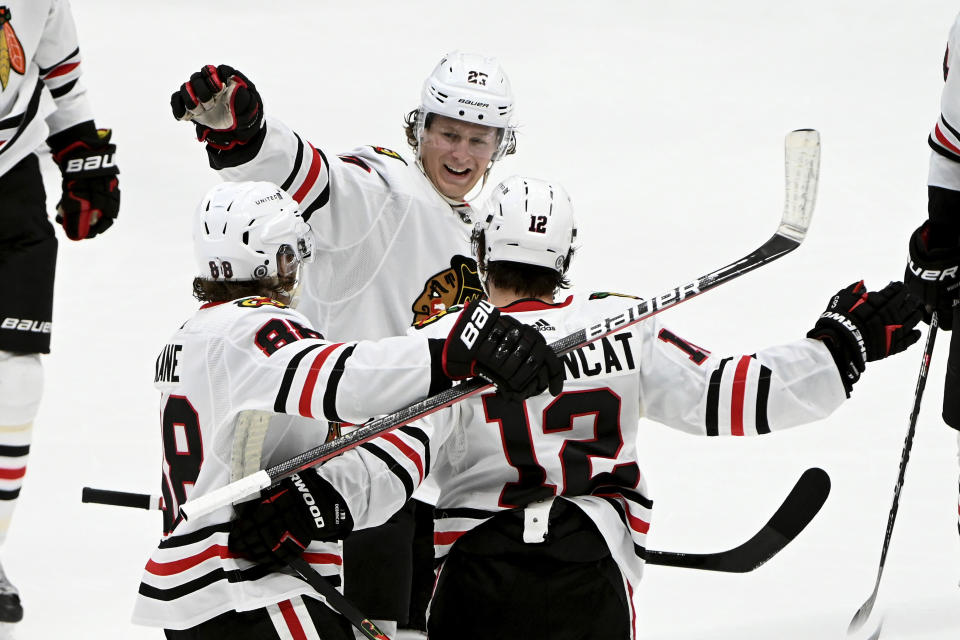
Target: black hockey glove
<point x="288" y="517"/>
<point x="861" y="326"/>
<point x="512" y="355"/>
<point x="91" y="194"/>
<point x="932" y="275"/>
<point x="223" y="104"/>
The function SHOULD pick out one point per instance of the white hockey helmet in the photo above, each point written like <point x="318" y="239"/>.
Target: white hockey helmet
<point x="473" y="88"/>
<point x="529" y="221"/>
<point x="249" y="231"/>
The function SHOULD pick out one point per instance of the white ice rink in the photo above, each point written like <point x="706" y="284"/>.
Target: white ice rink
<point x="665" y="121"/>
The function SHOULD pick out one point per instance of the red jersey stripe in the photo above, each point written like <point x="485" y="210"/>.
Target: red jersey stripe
<point x="178" y="566"/>
<point x="315" y="164"/>
<point x="293" y="622"/>
<point x="62" y="70"/>
<point x="943" y="139"/>
<point x="446" y="537"/>
<point x="306" y="397"/>
<point x="407" y="451"/>
<point x="739" y="390"/>
<point x="12" y="474"/>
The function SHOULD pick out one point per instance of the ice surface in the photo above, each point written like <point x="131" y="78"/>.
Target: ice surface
<point x="665" y="121"/>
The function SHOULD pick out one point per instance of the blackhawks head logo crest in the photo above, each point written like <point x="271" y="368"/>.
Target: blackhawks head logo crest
<point x="11" y="51"/>
<point x="457" y="285"/>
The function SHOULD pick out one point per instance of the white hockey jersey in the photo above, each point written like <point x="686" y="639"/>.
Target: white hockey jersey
<point x="487" y="455"/>
<point x="219" y="375"/>
<point x="39" y="59"/>
<point x="389" y="250"/>
<point x="945" y="137"/>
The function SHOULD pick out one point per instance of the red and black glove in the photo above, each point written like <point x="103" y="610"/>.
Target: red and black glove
<point x="288" y="517"/>
<point x="508" y="353"/>
<point x="861" y="326"/>
<point x="91" y="192"/>
<point x="223" y="104"/>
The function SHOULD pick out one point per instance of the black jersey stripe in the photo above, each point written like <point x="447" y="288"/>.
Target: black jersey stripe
<point x="418" y="434"/>
<point x="45" y="70"/>
<point x="194" y="536"/>
<point x="59" y="92"/>
<point x="296" y="164"/>
<point x="402" y="474"/>
<point x="10" y="495"/>
<point x="280" y="404"/>
<point x="333" y="383"/>
<point x="763" y="396"/>
<point x="713" y="399"/>
<point x="946" y="153"/>
<point x="324" y="196"/>
<point x="217" y="575"/>
<point x="9" y="451"/>
<point x="629" y="494"/>
<point x="25" y="118"/>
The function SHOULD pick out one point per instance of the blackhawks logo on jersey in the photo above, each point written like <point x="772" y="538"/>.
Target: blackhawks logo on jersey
<point x="11" y="51"/>
<point x="457" y="285"/>
<point x="260" y="301"/>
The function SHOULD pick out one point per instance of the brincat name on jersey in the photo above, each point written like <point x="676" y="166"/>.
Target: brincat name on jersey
<point x="643" y="308"/>
<point x="605" y="356"/>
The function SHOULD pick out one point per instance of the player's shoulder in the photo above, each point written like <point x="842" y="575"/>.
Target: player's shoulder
<point x="373" y="158"/>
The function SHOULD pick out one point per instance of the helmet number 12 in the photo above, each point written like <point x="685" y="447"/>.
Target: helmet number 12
<point x="538" y="224"/>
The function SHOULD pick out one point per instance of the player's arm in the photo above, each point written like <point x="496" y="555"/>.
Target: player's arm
<point x="934" y="247"/>
<point x="242" y="144"/>
<point x="85" y="155"/>
<point x="779" y="387"/>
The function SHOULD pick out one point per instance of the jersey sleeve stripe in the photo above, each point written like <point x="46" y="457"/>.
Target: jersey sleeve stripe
<point x="178" y="566"/>
<point x="280" y="404"/>
<point x="393" y="466"/>
<point x="59" y="92"/>
<point x="417" y="432"/>
<point x="296" y="165"/>
<point x="45" y="70"/>
<point x="62" y="70"/>
<point x="763" y="396"/>
<point x="306" y="395"/>
<point x="713" y="398"/>
<point x="8" y="451"/>
<point x="943" y="140"/>
<point x="316" y="163"/>
<point x="404" y="448"/>
<point x="333" y="383"/>
<point x="738" y="394"/>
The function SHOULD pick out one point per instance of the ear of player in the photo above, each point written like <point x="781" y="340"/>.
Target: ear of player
<point x="223" y="104"/>
<point x="932" y="274"/>
<point x="512" y="355"/>
<point x="91" y="194"/>
<point x="861" y="326"/>
<point x="288" y="517"/>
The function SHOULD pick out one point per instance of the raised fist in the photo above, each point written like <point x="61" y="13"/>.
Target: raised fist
<point x="222" y="103"/>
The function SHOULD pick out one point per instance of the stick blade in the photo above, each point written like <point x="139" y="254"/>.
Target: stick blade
<point x="797" y="511"/>
<point x="802" y="166"/>
<point x="863" y="613"/>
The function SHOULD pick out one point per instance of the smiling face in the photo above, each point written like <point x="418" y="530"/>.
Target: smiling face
<point x="455" y="154"/>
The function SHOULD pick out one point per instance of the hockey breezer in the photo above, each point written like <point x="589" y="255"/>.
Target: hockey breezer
<point x="802" y="163"/>
<point x="794" y="514"/>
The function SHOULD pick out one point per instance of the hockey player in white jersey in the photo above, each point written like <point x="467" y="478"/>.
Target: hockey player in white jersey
<point x="543" y="511"/>
<point x="392" y="232"/>
<point x="933" y="268"/>
<point x="42" y="99"/>
<point x="247" y="380"/>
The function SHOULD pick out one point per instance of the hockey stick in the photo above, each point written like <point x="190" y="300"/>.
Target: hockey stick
<point x="796" y="512"/>
<point x="864" y="611"/>
<point x="802" y="163"/>
<point x="793" y="515"/>
<point x="337" y="601"/>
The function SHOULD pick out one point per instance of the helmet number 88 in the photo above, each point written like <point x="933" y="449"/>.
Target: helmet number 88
<point x="215" y="270"/>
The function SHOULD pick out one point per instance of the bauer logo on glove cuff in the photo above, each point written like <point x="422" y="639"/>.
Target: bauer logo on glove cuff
<point x="90" y="163"/>
<point x="477" y="321"/>
<point x="932" y="275"/>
